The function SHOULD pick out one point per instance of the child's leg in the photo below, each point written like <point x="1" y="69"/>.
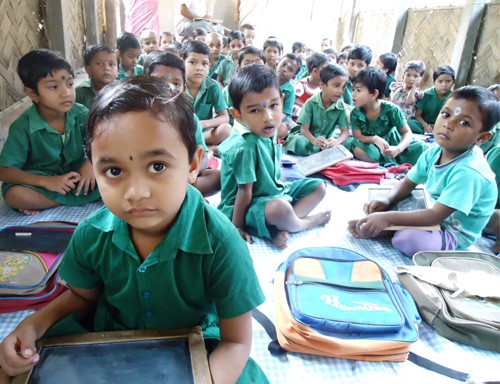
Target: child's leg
<point x="411" y="241"/>
<point x="305" y="205"/>
<point x="362" y="155"/>
<point x="208" y="182"/>
<point x="217" y="135"/>
<point x="27" y="200"/>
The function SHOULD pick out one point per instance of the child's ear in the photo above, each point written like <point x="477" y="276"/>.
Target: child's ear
<point x="32" y="94"/>
<point x="87" y="69"/>
<point x="194" y="167"/>
<point x="236" y="114"/>
<point x="484" y="137"/>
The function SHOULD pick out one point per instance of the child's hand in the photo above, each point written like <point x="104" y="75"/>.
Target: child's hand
<point x="87" y="179"/>
<point x="373" y="224"/>
<point x="381" y="144"/>
<point x="245" y="236"/>
<point x="416" y="83"/>
<point x="378" y="205"/>
<point x="428" y="128"/>
<point x="17" y="351"/>
<point x="392" y="152"/>
<point x="320" y="141"/>
<point x="331" y="142"/>
<point x="62" y="183"/>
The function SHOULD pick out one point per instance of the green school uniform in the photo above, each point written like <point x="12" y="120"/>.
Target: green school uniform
<point x="226" y="69"/>
<point x="288" y="91"/>
<point x="493" y="159"/>
<point x="200" y="271"/>
<point x="142" y="59"/>
<point x="387" y="92"/>
<point x="138" y="70"/>
<point x="321" y="121"/>
<point x="249" y="158"/>
<point x="347" y="96"/>
<point x="229" y="102"/>
<point x="430" y="105"/>
<point x="302" y="70"/>
<point x="493" y="142"/>
<point x="212" y="74"/>
<point x="386" y="126"/>
<point x="209" y="98"/>
<point x="34" y="146"/>
<point x="85" y="93"/>
<point x="200" y="140"/>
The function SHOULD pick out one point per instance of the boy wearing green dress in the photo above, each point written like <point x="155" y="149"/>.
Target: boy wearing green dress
<point x="252" y="195"/>
<point x="156" y="256"/>
<point x="358" y="59"/>
<point x="434" y="98"/>
<point x="226" y="68"/>
<point x="379" y="129"/>
<point x="320" y="115"/>
<point x="42" y="164"/>
<point x="128" y="49"/>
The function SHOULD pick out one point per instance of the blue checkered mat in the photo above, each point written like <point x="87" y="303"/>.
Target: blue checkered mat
<point x="301" y="368"/>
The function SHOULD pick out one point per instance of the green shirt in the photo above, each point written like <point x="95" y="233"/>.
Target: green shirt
<point x="229" y="102"/>
<point x="289" y="91"/>
<point x="200" y="140"/>
<point x="85" y="93"/>
<point x="142" y="59"/>
<point x="209" y="98"/>
<point x="226" y="69"/>
<point x="200" y="271"/>
<point x="387" y="92"/>
<point x="321" y="121"/>
<point x="430" y="105"/>
<point x="138" y="70"/>
<point x="348" y="93"/>
<point x="213" y="68"/>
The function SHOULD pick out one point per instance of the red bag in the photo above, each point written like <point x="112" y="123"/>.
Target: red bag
<point x="353" y="171"/>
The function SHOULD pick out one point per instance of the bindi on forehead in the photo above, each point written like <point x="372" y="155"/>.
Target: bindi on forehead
<point x="457" y="111"/>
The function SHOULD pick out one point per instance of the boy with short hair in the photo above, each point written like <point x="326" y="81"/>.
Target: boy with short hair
<point x="273" y="50"/>
<point x="252" y="195"/>
<point x="226" y="68"/>
<point x="287" y="69"/>
<point x="214" y="42"/>
<point x="128" y="49"/>
<point x="166" y="38"/>
<point x="434" y="98"/>
<point x="199" y="34"/>
<point x="332" y="53"/>
<point x="299" y="48"/>
<point x="102" y="67"/>
<point x="388" y="62"/>
<point x="325" y="43"/>
<point x="249" y="33"/>
<point x="407" y="94"/>
<point x="205" y="94"/>
<point x="358" y="59"/>
<point x="149" y="43"/>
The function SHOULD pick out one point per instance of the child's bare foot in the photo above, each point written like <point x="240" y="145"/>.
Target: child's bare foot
<point x="355" y="230"/>
<point x="30" y="212"/>
<point x="281" y="241"/>
<point x="321" y="218"/>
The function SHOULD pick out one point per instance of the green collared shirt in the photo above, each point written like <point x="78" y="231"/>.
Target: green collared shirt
<point x="200" y="271"/>
<point x="430" y="105"/>
<point x="138" y="70"/>
<point x="200" y="140"/>
<point x="387" y="92"/>
<point x="289" y="91"/>
<point x="209" y="98"/>
<point x="212" y="73"/>
<point x="391" y="116"/>
<point x="348" y="93"/>
<point x="226" y="69"/>
<point x="85" y="93"/>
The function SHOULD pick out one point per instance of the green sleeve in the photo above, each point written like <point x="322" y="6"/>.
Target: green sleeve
<point x="17" y="146"/>
<point x="288" y="102"/>
<point x="343" y="122"/>
<point x="305" y="116"/>
<point x="396" y="116"/>
<point x="218" y="101"/>
<point x="243" y="160"/>
<point x="200" y="140"/>
<point x="355" y="122"/>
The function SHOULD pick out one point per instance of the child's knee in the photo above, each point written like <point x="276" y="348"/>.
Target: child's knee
<point x="320" y="190"/>
<point x="278" y="209"/>
<point x="17" y="196"/>
<point x="407" y="242"/>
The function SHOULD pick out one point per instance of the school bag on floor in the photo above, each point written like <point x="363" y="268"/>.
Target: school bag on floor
<point x="335" y="302"/>
<point x="458" y="294"/>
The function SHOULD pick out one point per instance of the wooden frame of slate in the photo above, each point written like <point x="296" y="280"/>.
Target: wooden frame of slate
<point x="323" y="159"/>
<point x="159" y="355"/>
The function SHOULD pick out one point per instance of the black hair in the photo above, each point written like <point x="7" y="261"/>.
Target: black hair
<point x="417" y="65"/>
<point x="247" y="26"/>
<point x="90" y="52"/>
<point x="361" y="52"/>
<point x="330" y="71"/>
<point x="342" y="56"/>
<point x="143" y="93"/>
<point x="316" y="60"/>
<point x="168" y="59"/>
<point x="253" y="78"/>
<point x="194" y="46"/>
<point x="199" y="32"/>
<point x="390" y="61"/>
<point x="443" y="70"/>
<point x="165" y="34"/>
<point x="329" y="40"/>
<point x="331" y="51"/>
<point x="346" y="48"/>
<point x="298" y="45"/>
<point x="273" y="43"/>
<point x="174" y="47"/>
<point x="493" y="87"/>
<point x="486" y="101"/>
<point x="372" y="78"/>
<point x="225" y="41"/>
<point x="39" y="63"/>
<point x="250" y="50"/>
<point x="236" y="35"/>
<point x="296" y="58"/>
<point x="127" y="41"/>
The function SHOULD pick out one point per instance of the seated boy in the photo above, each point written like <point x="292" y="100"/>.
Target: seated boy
<point x="42" y="164"/>
<point x="249" y="33"/>
<point x="321" y="114"/>
<point x="214" y="42"/>
<point x="200" y="34"/>
<point x="342" y="59"/>
<point x="102" y="67"/>
<point x="171" y="68"/>
<point x="166" y="38"/>
<point x="299" y="48"/>
<point x="129" y="50"/>
<point x="332" y="53"/>
<point x="325" y="43"/>
<point x="205" y="95"/>
<point x="434" y="98"/>
<point x="287" y="69"/>
<point x="388" y="62"/>
<point x="236" y="41"/>
<point x="358" y="59"/>
<point x="252" y="195"/>
<point x="308" y="87"/>
<point x="149" y="43"/>
<point x="156" y="256"/>
<point x="273" y="49"/>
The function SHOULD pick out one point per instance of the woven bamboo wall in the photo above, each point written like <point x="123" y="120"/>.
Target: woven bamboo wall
<point x="21" y="29"/>
<point x="339" y="41"/>
<point x="429" y="36"/>
<point x="376" y="30"/>
<point x="485" y="68"/>
<point x="76" y="32"/>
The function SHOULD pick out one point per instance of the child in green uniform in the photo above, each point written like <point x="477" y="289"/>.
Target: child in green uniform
<point x="287" y="69"/>
<point x="434" y="98"/>
<point x="320" y="115"/>
<point x="171" y="68"/>
<point x="358" y="59"/>
<point x="273" y="49"/>
<point x="102" y="67"/>
<point x="456" y="175"/>
<point x="299" y="48"/>
<point x="149" y="43"/>
<point x="129" y="50"/>
<point x="166" y="38"/>
<point x="156" y="256"/>
<point x="42" y="164"/>
<point x="252" y="195"/>
<point x="205" y="94"/>
<point x="388" y="62"/>
<point x="249" y="33"/>
<point x="214" y="42"/>
<point x="236" y="41"/>
<point x="379" y="129"/>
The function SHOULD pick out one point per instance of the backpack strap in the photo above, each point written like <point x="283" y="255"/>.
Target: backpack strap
<point x="274" y="347"/>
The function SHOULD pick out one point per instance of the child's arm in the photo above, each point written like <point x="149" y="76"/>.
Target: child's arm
<point x="222" y="118"/>
<point x="427" y="127"/>
<point x="220" y="80"/>
<point x="17" y="350"/>
<point x="411" y="99"/>
<point x="333" y="142"/>
<point x="241" y="204"/>
<point x="406" y="138"/>
<point x="61" y="184"/>
<point x="228" y="360"/>
<point x="319" y="141"/>
<point x="398" y="192"/>
<point x="377" y="140"/>
<point x="87" y="178"/>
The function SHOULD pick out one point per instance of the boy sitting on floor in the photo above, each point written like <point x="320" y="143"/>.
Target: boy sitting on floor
<point x="252" y="195"/>
<point x="128" y="49"/>
<point x="358" y="59"/>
